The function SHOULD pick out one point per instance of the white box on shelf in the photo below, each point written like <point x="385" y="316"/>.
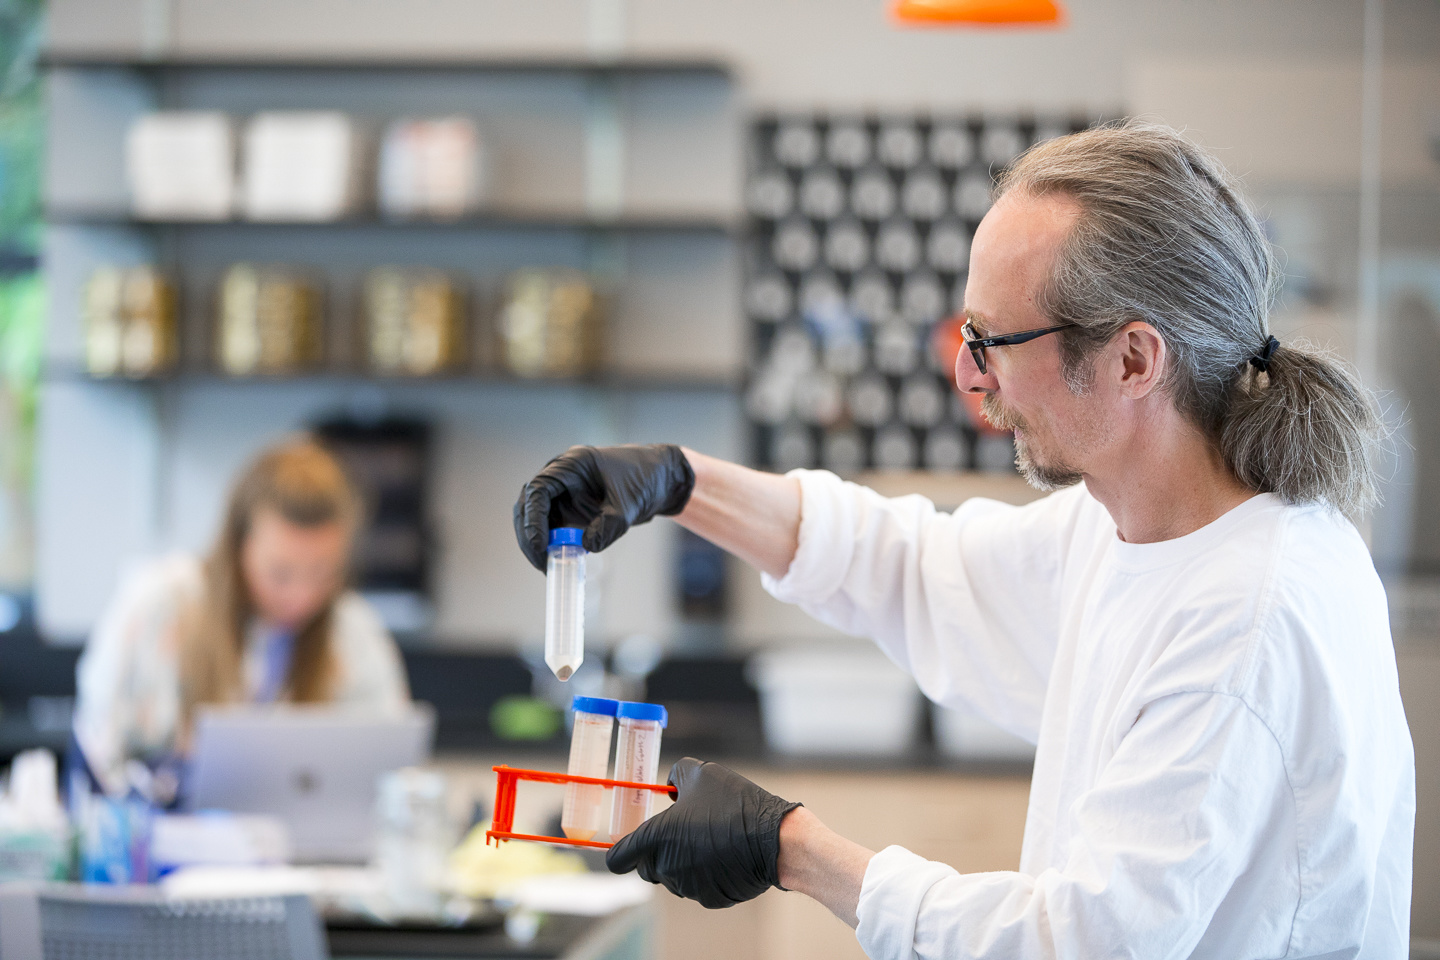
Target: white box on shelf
<point x="301" y="165"/>
<point x="181" y="165"/>
<point x="965" y="736"/>
<point x="431" y="167"/>
<point x="834" y="700"/>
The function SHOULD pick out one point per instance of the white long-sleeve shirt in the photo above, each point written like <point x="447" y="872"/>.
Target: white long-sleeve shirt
<point x="1223" y="767"/>
<point x="128" y="680"/>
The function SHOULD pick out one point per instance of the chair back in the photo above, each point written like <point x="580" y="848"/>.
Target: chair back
<point x="66" y="922"/>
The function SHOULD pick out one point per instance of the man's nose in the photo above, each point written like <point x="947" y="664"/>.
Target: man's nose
<point x="968" y="376"/>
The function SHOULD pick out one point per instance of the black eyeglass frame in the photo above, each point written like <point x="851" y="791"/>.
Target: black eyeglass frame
<point x="977" y="344"/>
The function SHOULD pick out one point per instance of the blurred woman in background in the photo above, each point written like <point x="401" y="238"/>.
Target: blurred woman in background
<point x="265" y="618"/>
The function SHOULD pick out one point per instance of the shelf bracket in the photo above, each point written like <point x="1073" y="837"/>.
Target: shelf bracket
<point x="604" y="148"/>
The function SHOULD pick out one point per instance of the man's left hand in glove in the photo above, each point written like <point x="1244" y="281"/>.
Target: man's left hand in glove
<point x="717" y="845"/>
<point x="721" y="844"/>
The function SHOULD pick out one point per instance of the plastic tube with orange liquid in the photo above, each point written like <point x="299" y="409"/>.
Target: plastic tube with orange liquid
<point x="589" y="757"/>
<point x="637" y="759"/>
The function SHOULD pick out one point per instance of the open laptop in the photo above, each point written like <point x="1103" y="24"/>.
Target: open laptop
<point x="314" y="768"/>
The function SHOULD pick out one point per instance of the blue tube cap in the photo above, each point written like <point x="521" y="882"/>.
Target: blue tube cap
<point x="643" y="711"/>
<point x="567" y="537"/>
<point x="598" y="705"/>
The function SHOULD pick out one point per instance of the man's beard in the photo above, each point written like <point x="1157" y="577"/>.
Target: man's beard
<point x="1041" y="476"/>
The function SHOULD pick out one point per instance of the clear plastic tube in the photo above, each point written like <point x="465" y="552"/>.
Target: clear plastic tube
<point x="565" y="602"/>
<point x="637" y="759"/>
<point x="589" y="757"/>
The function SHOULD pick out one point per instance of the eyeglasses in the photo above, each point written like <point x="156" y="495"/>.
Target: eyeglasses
<point x="977" y="343"/>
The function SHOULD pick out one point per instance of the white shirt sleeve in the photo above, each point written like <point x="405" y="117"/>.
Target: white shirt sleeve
<point x="102" y="707"/>
<point x="372" y="675"/>
<point x="127" y="680"/>
<point x="968" y="603"/>
<point x="1196" y="794"/>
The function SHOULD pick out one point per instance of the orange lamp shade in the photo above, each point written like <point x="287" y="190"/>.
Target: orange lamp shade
<point x="993" y="13"/>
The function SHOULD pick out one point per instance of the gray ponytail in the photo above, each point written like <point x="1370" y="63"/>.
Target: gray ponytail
<point x="1164" y="237"/>
<point x="1304" y="430"/>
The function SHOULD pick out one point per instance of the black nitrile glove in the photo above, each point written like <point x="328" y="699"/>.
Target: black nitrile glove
<point x="606" y="490"/>
<point x="718" y="845"/>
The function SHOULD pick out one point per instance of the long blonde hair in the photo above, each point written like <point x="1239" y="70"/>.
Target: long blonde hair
<point x="305" y="485"/>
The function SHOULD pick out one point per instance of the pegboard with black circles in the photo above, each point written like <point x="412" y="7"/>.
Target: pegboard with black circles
<point x="858" y="241"/>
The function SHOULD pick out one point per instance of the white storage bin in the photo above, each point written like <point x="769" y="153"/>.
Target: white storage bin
<point x="963" y="735"/>
<point x="431" y="167"/>
<point x="181" y="165"/>
<point x="835" y="701"/>
<point x="301" y="165"/>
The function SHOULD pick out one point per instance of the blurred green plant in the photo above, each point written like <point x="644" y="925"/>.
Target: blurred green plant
<point x="22" y="333"/>
<point x="22" y="292"/>
<point x="21" y="127"/>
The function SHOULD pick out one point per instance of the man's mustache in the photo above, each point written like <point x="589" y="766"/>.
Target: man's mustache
<point x="1000" y="418"/>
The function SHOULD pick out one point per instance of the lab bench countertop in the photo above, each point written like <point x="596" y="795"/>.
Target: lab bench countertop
<point x="624" y="935"/>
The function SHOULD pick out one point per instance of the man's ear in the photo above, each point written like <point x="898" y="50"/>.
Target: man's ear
<point x="1142" y="357"/>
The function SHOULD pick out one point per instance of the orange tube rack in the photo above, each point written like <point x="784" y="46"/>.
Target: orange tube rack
<point x="506" y="779"/>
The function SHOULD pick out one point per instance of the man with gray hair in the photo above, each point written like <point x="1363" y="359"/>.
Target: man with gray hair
<point x="1189" y="629"/>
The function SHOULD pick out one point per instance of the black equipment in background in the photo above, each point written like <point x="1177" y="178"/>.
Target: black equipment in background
<point x="388" y="461"/>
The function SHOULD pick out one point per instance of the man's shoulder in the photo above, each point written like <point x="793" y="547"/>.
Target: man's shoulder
<point x="1325" y="592"/>
<point x="1300" y="558"/>
<point x="1320" y="567"/>
<point x="1316" y="625"/>
<point x="1281" y="587"/>
<point x="1317" y="530"/>
<point x="1268" y="546"/>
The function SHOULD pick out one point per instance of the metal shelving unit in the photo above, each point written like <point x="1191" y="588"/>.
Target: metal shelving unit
<point x="628" y="168"/>
<point x="602" y="130"/>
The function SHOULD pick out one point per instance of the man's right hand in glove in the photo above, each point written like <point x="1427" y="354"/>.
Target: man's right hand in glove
<point x="608" y="490"/>
<point x="605" y="490"/>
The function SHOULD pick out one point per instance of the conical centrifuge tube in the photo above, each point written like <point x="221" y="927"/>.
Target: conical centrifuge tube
<point x="565" y="602"/>
<point x="637" y="759"/>
<point x="589" y="757"/>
